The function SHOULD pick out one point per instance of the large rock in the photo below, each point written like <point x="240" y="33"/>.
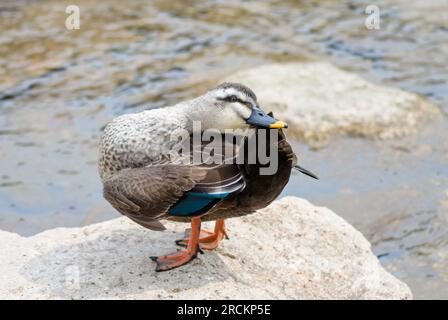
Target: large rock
<point x="290" y="250"/>
<point x="319" y="100"/>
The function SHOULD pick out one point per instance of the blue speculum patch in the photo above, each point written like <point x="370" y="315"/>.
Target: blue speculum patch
<point x="195" y="203"/>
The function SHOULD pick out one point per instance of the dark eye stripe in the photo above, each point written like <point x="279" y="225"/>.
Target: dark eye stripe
<point x="229" y="99"/>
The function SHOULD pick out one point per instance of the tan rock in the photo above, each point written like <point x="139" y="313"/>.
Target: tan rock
<point x="290" y="250"/>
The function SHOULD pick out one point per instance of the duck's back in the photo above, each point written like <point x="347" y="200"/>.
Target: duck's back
<point x="137" y="140"/>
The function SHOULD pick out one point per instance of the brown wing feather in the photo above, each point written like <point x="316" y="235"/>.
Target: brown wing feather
<point x="146" y="194"/>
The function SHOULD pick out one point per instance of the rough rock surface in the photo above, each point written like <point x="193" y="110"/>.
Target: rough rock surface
<point x="318" y="100"/>
<point x="291" y="250"/>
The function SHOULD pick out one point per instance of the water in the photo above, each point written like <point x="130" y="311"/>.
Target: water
<point x="58" y="88"/>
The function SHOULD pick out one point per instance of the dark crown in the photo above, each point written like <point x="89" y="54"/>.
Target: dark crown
<point x="239" y="87"/>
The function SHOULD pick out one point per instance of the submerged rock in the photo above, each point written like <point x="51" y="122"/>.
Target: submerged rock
<point x="318" y="100"/>
<point x="289" y="250"/>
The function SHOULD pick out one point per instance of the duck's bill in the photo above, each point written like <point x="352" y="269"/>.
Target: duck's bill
<point x="278" y="125"/>
<point x="258" y="118"/>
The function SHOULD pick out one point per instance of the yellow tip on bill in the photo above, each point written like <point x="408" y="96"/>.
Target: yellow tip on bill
<point x="278" y="125"/>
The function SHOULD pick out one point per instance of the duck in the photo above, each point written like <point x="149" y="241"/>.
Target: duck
<point x="146" y="181"/>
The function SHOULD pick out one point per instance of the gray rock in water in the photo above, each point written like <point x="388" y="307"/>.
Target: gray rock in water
<point x="289" y="250"/>
<point x="318" y="100"/>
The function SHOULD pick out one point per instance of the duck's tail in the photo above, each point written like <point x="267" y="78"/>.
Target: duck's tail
<point x="305" y="171"/>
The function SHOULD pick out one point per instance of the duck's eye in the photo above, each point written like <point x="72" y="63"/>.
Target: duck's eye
<point x="232" y="98"/>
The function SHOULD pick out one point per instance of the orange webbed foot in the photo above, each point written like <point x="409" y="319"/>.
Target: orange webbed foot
<point x="165" y="263"/>
<point x="168" y="262"/>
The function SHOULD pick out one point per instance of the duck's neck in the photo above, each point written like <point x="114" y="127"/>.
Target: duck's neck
<point x="191" y="114"/>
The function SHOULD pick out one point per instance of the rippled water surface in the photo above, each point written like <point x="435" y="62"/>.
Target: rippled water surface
<point x="58" y="88"/>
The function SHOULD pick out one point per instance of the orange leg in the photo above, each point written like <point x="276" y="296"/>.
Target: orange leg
<point x="169" y="262"/>
<point x="210" y="240"/>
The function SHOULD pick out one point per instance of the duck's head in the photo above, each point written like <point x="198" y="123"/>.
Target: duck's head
<point x="233" y="106"/>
